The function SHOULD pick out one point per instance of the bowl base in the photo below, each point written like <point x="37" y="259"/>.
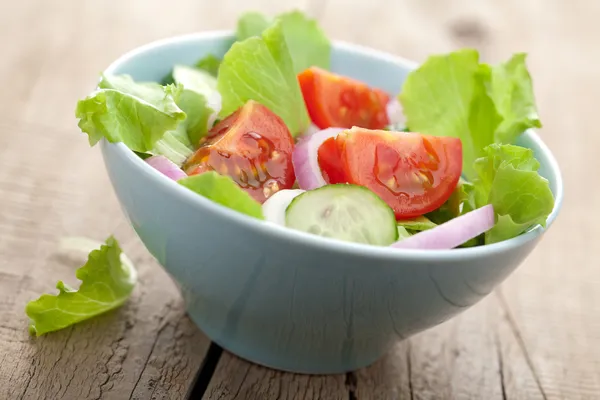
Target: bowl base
<point x="286" y="361"/>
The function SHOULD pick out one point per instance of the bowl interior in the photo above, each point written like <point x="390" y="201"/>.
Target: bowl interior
<point x="154" y="61"/>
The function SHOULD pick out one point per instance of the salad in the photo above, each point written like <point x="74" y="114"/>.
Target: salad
<point x="268" y="130"/>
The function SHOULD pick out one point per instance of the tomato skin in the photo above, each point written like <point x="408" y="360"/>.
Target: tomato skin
<point x="337" y="101"/>
<point x="413" y="173"/>
<point x="253" y="146"/>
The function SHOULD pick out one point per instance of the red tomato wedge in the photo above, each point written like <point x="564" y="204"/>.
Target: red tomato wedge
<point x="337" y="101"/>
<point x="413" y="173"/>
<point x="253" y="146"/>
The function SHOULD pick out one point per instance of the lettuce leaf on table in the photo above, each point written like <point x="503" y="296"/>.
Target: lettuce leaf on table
<point x="107" y="280"/>
<point x="260" y="69"/>
<point x="456" y="95"/>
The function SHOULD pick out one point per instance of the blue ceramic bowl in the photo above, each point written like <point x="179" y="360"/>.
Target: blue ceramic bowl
<point x="287" y="299"/>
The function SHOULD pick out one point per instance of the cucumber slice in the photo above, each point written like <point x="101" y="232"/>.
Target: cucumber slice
<point x="347" y="212"/>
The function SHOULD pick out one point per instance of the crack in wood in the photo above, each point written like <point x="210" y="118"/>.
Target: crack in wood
<point x="500" y="364"/>
<point x="409" y="370"/>
<point x="351" y="385"/>
<point x="205" y="372"/>
<point x="161" y="327"/>
<point x="521" y="342"/>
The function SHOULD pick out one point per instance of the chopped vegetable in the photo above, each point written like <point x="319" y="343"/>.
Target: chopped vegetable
<point x="395" y="114"/>
<point x="420" y="223"/>
<point x="260" y="69"/>
<point x="336" y="101"/>
<point x="512" y="92"/>
<point x="508" y="179"/>
<point x="347" y="212"/>
<point x="200" y="100"/>
<point x="174" y="145"/>
<point x="107" y="280"/>
<point x="210" y="64"/>
<point x="275" y="206"/>
<point x="304" y="157"/>
<point x="166" y="166"/>
<point x="413" y="173"/>
<point x="307" y="43"/>
<point x="453" y="233"/>
<point x="122" y="117"/>
<point x="252" y="146"/>
<point x="437" y="155"/>
<point x="403" y="233"/>
<point x="455" y="95"/>
<point x="460" y="202"/>
<point x="224" y="191"/>
<point x="251" y="24"/>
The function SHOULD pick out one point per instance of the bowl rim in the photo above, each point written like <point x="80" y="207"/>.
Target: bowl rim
<point x="271" y="230"/>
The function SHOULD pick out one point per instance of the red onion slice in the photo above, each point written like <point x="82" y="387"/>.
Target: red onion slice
<point x="395" y="113"/>
<point x="275" y="206"/>
<point x="304" y="158"/>
<point x="166" y="166"/>
<point x="452" y="233"/>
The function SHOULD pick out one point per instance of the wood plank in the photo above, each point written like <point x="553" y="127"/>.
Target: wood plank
<point x="534" y="338"/>
<point x="238" y="379"/>
<point x="147" y="346"/>
<point x="472" y="356"/>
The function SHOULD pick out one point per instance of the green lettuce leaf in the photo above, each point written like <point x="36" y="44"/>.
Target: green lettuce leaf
<point x="138" y="118"/>
<point x="307" y="43"/>
<point x="200" y="100"/>
<point x="251" y="24"/>
<point x="461" y="201"/>
<point x="512" y="92"/>
<point x="223" y="190"/>
<point x="260" y="69"/>
<point x="210" y="64"/>
<point x="508" y="179"/>
<point x="107" y="280"/>
<point x="420" y="223"/>
<point x="174" y="144"/>
<point x="403" y="233"/>
<point x="455" y="95"/>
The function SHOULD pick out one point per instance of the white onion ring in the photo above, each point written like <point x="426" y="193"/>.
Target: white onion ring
<point x="275" y="206"/>
<point x="304" y="158"/>
<point x="395" y="113"/>
<point x="453" y="233"/>
<point x="166" y="166"/>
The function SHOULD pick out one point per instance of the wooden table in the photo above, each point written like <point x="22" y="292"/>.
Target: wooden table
<point x="535" y="337"/>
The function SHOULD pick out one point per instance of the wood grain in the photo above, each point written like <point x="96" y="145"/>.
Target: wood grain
<point x="535" y="337"/>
